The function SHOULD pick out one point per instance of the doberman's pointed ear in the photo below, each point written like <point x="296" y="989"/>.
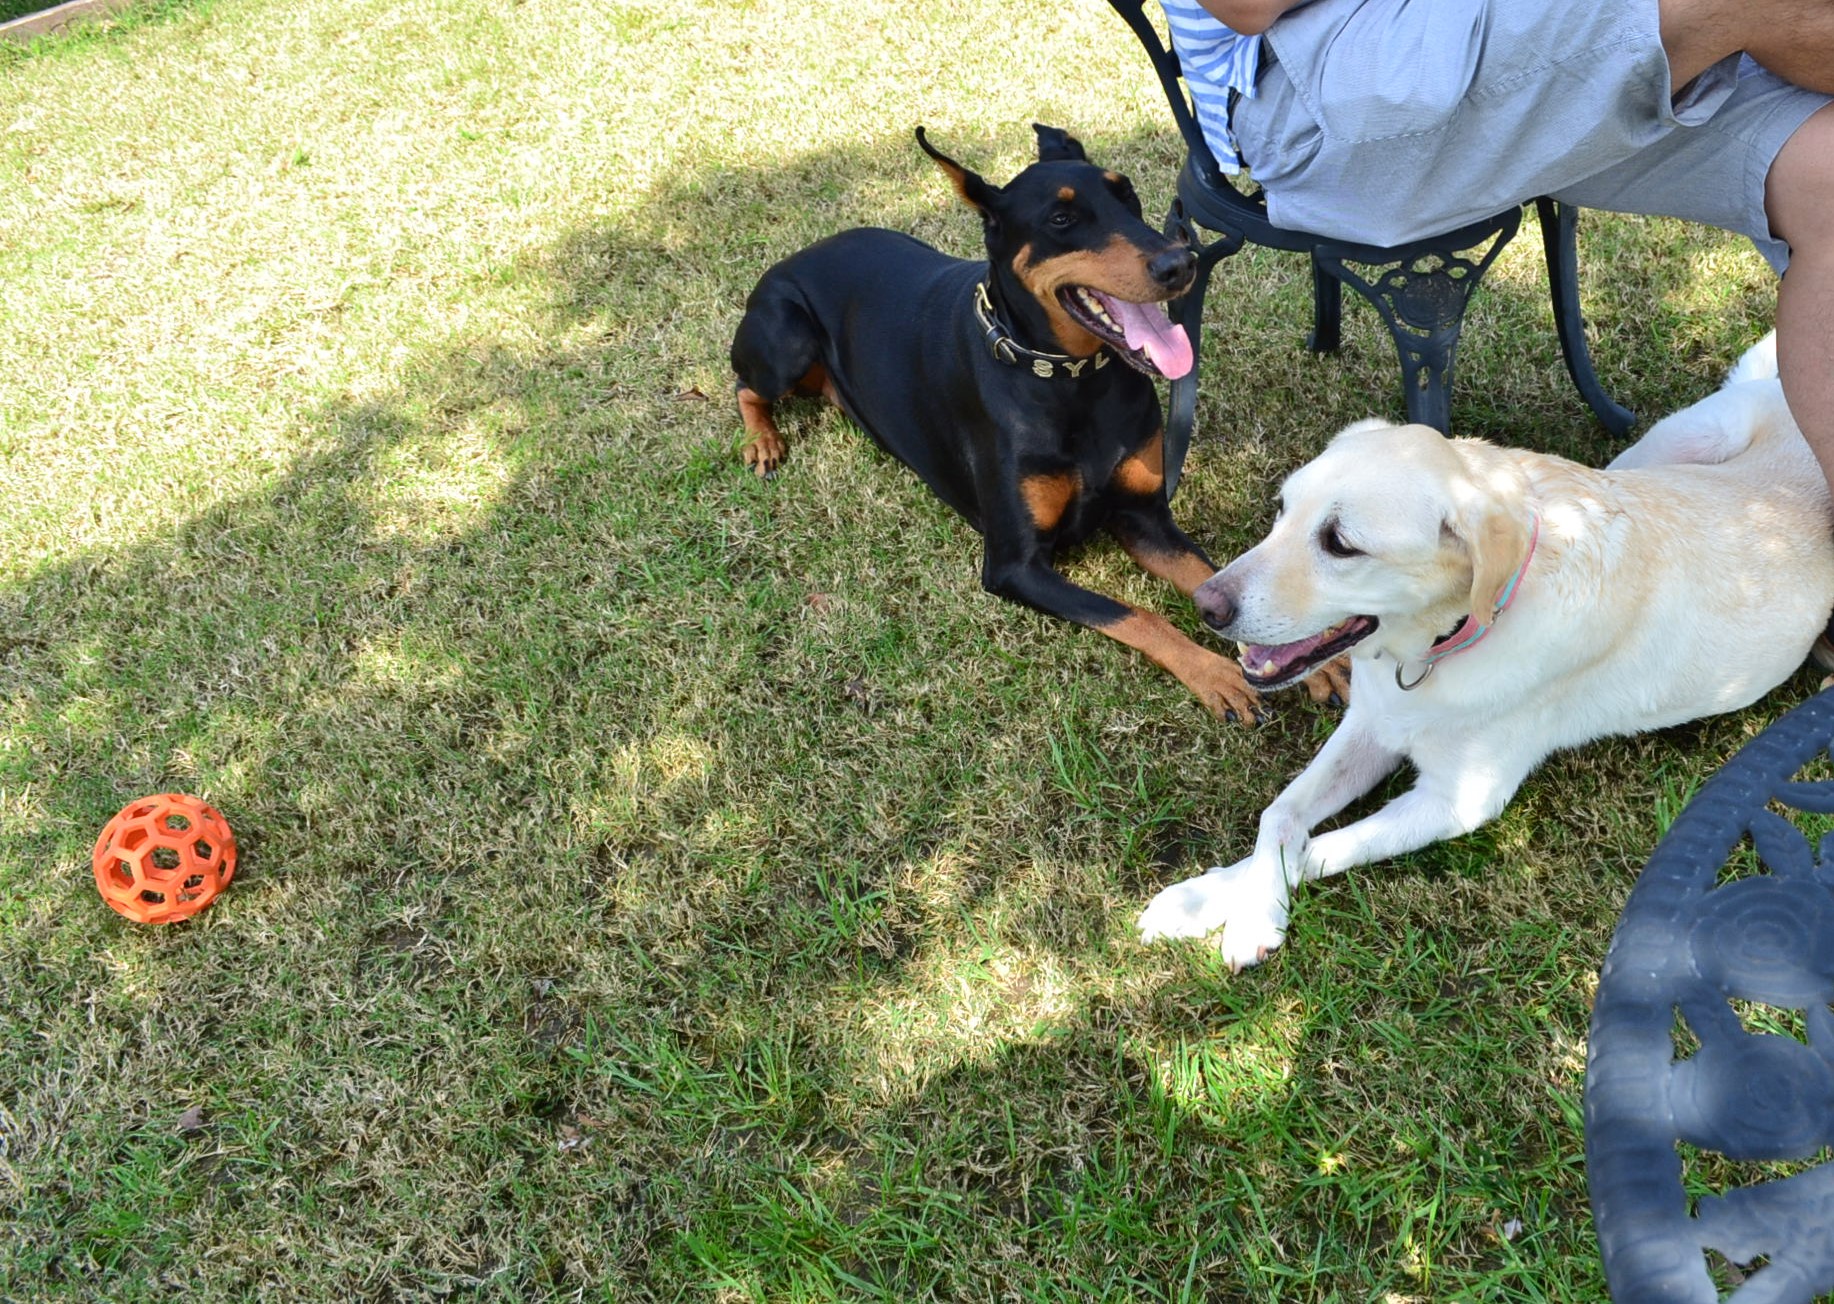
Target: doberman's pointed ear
<point x="1055" y="144"/>
<point x="968" y="185"/>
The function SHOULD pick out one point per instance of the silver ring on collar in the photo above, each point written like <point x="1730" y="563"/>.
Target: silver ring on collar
<point x="1406" y="687"/>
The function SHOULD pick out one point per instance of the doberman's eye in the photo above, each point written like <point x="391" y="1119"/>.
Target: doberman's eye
<point x="1332" y="540"/>
<point x="1063" y="218"/>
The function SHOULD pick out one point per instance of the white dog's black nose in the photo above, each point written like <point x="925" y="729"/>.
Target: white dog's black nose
<point x="1215" y="605"/>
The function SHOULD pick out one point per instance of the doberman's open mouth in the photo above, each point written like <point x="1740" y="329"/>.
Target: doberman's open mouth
<point x="1141" y="333"/>
<point x="1267" y="668"/>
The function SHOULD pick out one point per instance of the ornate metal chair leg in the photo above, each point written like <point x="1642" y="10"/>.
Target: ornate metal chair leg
<point x="1422" y="299"/>
<point x="1560" y="238"/>
<point x="1424" y="312"/>
<point x="1327" y="311"/>
<point x="1188" y="311"/>
<point x="1182" y="418"/>
<point x="1426" y="376"/>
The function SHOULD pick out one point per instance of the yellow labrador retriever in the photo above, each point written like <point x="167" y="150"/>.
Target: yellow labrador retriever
<point x="1498" y="605"/>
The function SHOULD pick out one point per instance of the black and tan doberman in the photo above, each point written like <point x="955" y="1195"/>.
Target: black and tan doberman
<point x="1019" y="389"/>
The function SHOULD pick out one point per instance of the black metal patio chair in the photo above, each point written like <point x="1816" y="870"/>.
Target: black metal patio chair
<point x="1420" y="288"/>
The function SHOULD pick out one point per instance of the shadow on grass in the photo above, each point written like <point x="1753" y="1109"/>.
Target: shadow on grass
<point x="656" y="880"/>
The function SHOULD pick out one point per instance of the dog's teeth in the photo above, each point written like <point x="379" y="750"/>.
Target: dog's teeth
<point x="1269" y="666"/>
<point x="1094" y="306"/>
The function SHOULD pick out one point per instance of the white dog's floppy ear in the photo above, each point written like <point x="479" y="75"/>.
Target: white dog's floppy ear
<point x="1496" y="535"/>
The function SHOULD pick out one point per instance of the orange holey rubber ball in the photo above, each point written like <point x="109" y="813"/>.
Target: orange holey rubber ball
<point x="164" y="858"/>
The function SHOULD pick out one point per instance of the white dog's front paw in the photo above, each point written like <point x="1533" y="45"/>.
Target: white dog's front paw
<point x="1248" y="941"/>
<point x="1247" y="904"/>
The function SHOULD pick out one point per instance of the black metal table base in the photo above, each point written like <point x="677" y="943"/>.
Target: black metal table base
<point x="1731" y="924"/>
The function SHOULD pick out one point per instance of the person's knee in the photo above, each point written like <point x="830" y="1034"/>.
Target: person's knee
<point x="1792" y="38"/>
<point x="1799" y="193"/>
<point x="1696" y="34"/>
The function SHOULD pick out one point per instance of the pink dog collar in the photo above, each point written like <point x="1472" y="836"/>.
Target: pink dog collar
<point x="1470" y="633"/>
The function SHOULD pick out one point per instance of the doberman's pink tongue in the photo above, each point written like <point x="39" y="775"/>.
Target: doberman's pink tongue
<point x="1148" y="329"/>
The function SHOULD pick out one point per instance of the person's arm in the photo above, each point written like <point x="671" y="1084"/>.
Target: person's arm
<point x="1249" y="17"/>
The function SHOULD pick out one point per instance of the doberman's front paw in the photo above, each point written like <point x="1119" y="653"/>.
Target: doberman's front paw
<point x="1329" y="685"/>
<point x="1244" y="902"/>
<point x="1219" y="685"/>
<point x="765" y="453"/>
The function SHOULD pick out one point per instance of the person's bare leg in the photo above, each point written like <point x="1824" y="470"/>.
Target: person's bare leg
<point x="1797" y="43"/>
<point x="1792" y="38"/>
<point x="1799" y="197"/>
<point x="1795" y="40"/>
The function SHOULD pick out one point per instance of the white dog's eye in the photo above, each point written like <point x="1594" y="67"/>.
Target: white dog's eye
<point x="1331" y="539"/>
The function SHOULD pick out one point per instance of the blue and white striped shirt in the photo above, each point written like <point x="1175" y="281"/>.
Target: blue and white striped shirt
<point x="1216" y="60"/>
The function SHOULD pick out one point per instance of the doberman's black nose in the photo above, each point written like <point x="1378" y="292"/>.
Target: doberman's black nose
<point x="1172" y="268"/>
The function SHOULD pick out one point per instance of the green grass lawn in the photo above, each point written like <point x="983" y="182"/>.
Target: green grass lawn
<point x="659" y="884"/>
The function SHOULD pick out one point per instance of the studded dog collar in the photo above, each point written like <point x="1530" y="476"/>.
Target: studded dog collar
<point x="1006" y="349"/>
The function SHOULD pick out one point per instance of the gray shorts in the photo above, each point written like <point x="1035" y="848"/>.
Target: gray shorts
<point x="1441" y="114"/>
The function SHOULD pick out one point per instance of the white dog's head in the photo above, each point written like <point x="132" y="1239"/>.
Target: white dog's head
<point x="1384" y="542"/>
